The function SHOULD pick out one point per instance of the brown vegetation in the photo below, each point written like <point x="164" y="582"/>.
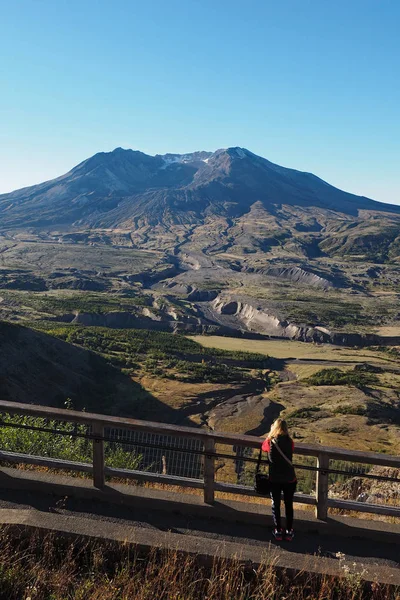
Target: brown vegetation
<point x="51" y="568"/>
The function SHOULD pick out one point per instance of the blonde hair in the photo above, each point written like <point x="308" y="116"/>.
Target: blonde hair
<point x="278" y="427"/>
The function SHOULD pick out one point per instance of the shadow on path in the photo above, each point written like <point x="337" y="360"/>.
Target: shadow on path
<point x="157" y="515"/>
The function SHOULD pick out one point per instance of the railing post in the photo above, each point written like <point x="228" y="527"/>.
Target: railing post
<point x="209" y="470"/>
<point x="322" y="486"/>
<point x="98" y="456"/>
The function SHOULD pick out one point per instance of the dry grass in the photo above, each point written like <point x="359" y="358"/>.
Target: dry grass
<point x="390" y="380"/>
<point x="305" y="371"/>
<point x="389" y="331"/>
<point x="292" y="349"/>
<point x="50" y="568"/>
<point x="334" y="424"/>
<point x="178" y="394"/>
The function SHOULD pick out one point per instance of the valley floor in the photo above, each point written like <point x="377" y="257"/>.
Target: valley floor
<point x="363" y="418"/>
<point x="293" y="350"/>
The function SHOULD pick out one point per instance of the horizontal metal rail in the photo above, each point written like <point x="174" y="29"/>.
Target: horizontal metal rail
<point x="73" y="416"/>
<point x="161" y="446"/>
<point x="56" y="463"/>
<point x="98" y="469"/>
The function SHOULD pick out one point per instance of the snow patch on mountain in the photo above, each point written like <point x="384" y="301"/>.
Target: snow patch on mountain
<point x="192" y="157"/>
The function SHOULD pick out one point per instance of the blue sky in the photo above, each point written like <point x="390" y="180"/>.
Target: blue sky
<point x="309" y="84"/>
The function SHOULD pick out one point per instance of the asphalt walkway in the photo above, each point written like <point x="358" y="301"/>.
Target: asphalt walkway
<point x="181" y="521"/>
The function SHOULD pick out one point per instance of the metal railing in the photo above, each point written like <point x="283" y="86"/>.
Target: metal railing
<point x="195" y="458"/>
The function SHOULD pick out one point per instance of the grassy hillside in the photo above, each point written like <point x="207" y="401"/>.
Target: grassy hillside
<point x="163" y="354"/>
<point x="27" y="305"/>
<point x="145" y="374"/>
<point x="38" y="368"/>
<point x="160" y="376"/>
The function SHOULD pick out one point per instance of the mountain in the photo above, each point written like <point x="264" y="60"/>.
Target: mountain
<point x="130" y="189"/>
<point x="199" y="241"/>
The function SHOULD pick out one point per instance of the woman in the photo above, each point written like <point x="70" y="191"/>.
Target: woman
<point x="279" y="446"/>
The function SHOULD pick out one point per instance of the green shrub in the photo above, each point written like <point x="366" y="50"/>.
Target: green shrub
<point x="348" y="409"/>
<point x="303" y="413"/>
<point x="338" y="377"/>
<point x="340" y="429"/>
<point x="158" y="352"/>
<point x="67" y="445"/>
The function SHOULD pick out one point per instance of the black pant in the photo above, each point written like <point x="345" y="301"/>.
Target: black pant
<point x="288" y="490"/>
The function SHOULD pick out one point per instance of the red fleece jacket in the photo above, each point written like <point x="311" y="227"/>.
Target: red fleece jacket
<point x="266" y="445"/>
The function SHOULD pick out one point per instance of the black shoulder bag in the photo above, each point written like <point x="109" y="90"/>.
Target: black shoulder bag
<point x="262" y="483"/>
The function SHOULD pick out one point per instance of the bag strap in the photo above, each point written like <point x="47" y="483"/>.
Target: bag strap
<point x="259" y="461"/>
<point x="274" y="442"/>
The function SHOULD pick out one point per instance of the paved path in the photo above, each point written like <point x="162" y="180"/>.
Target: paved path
<point x="152" y="517"/>
<point x="183" y="521"/>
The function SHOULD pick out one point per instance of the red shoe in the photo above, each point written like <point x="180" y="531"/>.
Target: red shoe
<point x="278" y="534"/>
<point x="289" y="535"/>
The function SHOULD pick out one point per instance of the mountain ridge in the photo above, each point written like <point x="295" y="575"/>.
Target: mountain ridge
<point x="227" y="183"/>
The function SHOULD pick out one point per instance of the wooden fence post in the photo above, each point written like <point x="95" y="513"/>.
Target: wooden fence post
<point x="322" y="487"/>
<point x="98" y="456"/>
<point x="209" y="470"/>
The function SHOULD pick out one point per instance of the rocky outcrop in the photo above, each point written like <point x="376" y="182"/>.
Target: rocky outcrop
<point x="259" y="320"/>
<point x="235" y="407"/>
<point x="224" y="316"/>
<point x="297" y="275"/>
<point x="197" y="295"/>
<point x="150" y="276"/>
<point x="192" y="293"/>
<point x="255" y="319"/>
<point x="178" y="288"/>
<point x="370" y="490"/>
<point x="168" y="321"/>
